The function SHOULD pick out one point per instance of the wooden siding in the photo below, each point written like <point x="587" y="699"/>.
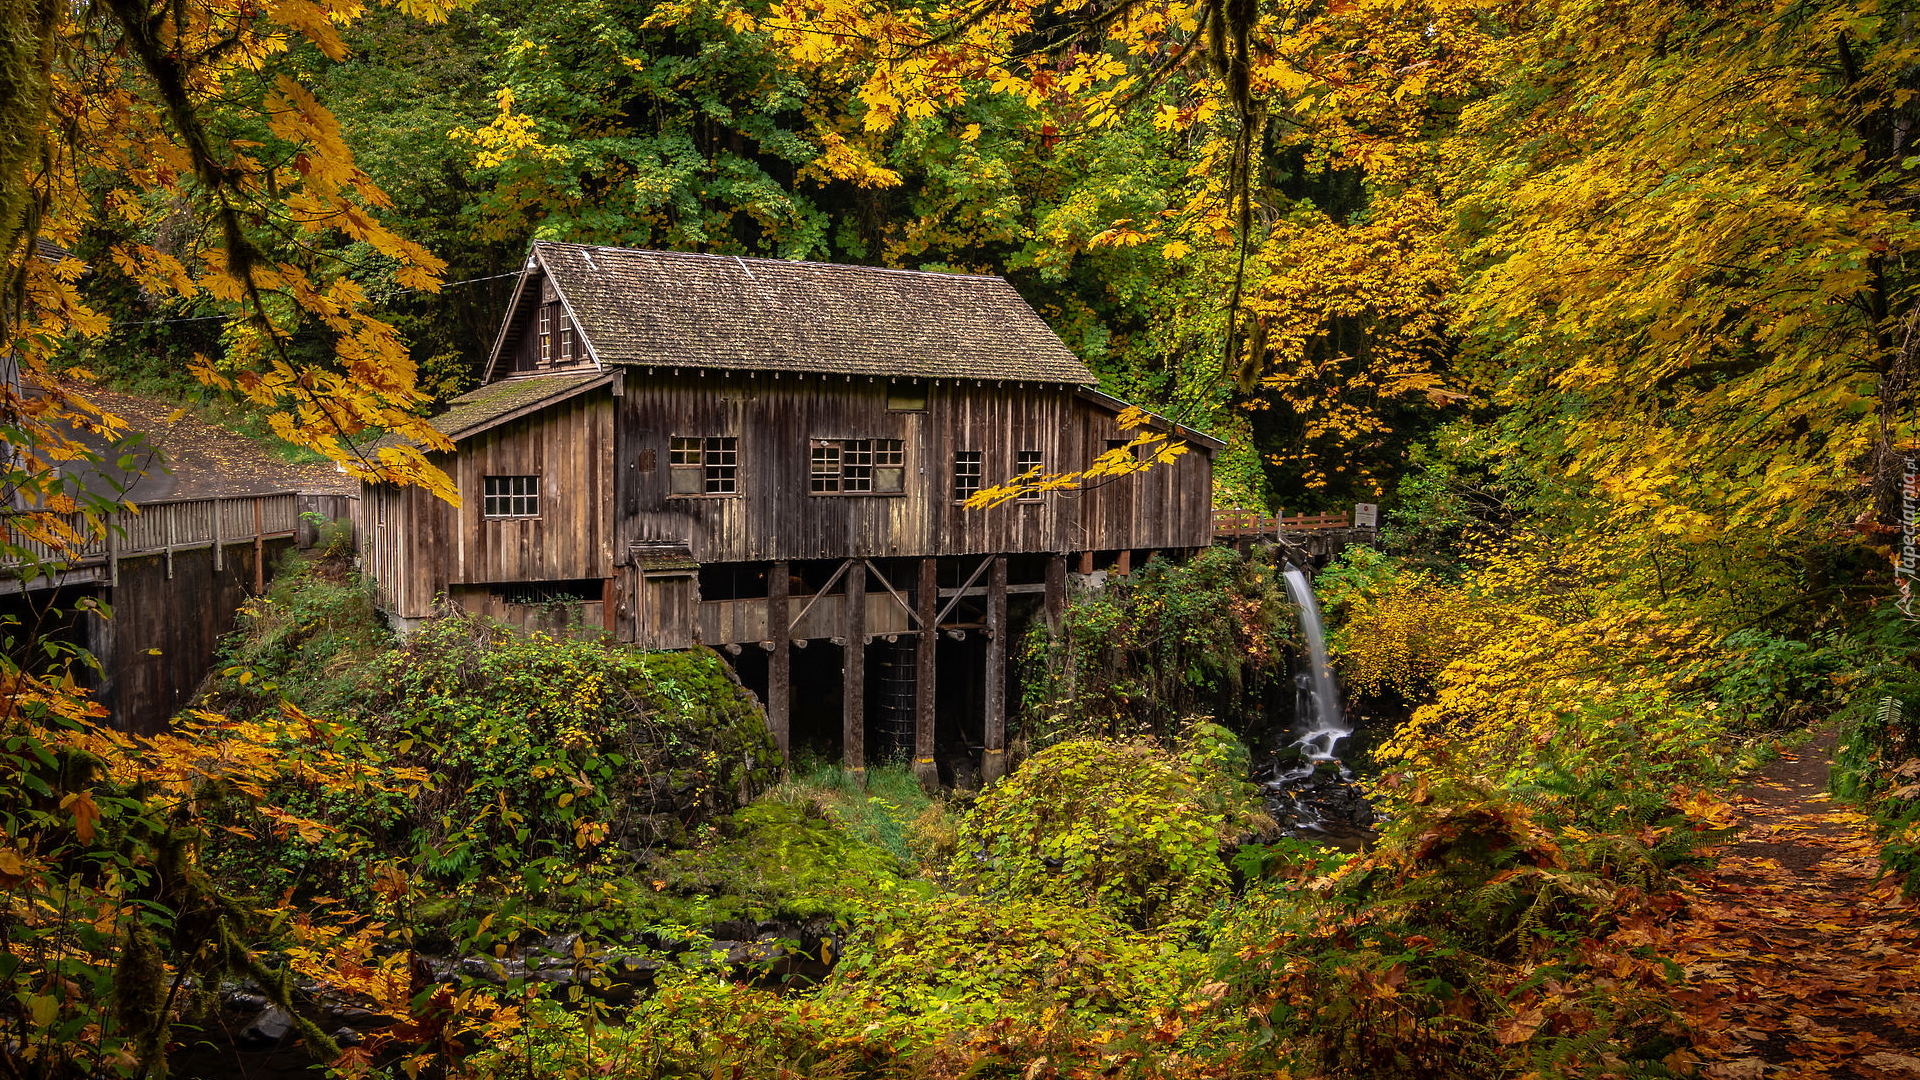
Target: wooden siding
<point x="416" y="546"/>
<point x="405" y="535"/>
<point x="774" y="516"/>
<point x="568" y="446"/>
<point x="605" y="475"/>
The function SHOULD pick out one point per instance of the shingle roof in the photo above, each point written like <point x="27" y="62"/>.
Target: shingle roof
<point x="718" y="311"/>
<point x="477" y="409"/>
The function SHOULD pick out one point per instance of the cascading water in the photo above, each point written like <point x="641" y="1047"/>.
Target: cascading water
<point x="1307" y="778"/>
<point x="1328" y="724"/>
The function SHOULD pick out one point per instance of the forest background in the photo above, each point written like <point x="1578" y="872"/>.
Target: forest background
<point x="1608" y="303"/>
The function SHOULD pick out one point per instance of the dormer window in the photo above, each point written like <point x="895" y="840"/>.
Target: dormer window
<point x="566" y="340"/>
<point x="546" y="333"/>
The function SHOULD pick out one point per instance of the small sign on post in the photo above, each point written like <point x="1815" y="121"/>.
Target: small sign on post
<point x="1366" y="515"/>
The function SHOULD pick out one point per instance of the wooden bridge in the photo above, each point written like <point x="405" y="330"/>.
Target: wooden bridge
<point x="173" y="573"/>
<point x="164" y="528"/>
<point x="1238" y="523"/>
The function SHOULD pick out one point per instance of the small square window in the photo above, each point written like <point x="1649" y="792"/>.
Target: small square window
<point x="511" y="497"/>
<point x="1028" y="461"/>
<point x="966" y="473"/>
<point x="889" y="465"/>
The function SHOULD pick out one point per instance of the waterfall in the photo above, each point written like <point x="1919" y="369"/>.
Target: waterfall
<point x="1327" y="725"/>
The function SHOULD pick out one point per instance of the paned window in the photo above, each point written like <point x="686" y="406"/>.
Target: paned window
<point x="1028" y="461"/>
<point x="823" y="472"/>
<point x="546" y="332"/>
<point x="511" y="497"/>
<point x="966" y="473"/>
<point x="857" y="466"/>
<point x="566" y="340"/>
<point x="704" y="465"/>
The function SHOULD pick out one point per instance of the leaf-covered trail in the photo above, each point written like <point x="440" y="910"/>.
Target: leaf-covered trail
<point x="1800" y="963"/>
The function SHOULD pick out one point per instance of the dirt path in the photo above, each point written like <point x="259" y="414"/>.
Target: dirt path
<point x="184" y="457"/>
<point x="1801" y="963"/>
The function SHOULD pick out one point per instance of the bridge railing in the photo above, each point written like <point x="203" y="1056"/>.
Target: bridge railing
<point x="1236" y="522"/>
<point x="166" y="527"/>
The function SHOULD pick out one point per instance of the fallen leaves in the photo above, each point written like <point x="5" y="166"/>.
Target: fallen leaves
<point x="1800" y="960"/>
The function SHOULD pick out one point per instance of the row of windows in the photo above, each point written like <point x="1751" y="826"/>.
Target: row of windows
<point x="710" y="465"/>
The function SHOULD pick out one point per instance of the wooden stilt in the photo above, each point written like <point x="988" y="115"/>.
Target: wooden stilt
<point x="1056" y="591"/>
<point x="1086" y="562"/>
<point x="780" y="658"/>
<point x="1124" y="564"/>
<point x="853" y="628"/>
<point x="994" y="763"/>
<point x="925" y="596"/>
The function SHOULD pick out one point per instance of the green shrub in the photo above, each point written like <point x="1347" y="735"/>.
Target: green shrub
<point x="1167" y="641"/>
<point x="968" y="960"/>
<point x="1126" y="827"/>
<point x="315" y="639"/>
<point x="543" y="747"/>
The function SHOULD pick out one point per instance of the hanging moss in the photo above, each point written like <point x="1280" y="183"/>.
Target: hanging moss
<point x="1171" y="640"/>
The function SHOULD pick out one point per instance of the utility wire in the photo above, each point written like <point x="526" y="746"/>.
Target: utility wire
<point x="376" y="296"/>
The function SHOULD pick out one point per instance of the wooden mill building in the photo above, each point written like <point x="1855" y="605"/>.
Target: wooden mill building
<point x="769" y="458"/>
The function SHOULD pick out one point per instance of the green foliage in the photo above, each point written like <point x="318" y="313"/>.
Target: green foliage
<point x="314" y="639"/>
<point x="965" y="961"/>
<point x="1878" y="766"/>
<point x="1125" y="827"/>
<point x="1167" y="641"/>
<point x="773" y="859"/>
<point x="544" y="748"/>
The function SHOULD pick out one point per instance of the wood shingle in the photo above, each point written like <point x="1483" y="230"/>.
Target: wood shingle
<point x="674" y="309"/>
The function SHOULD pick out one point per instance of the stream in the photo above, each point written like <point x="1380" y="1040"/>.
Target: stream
<point x="1307" y="787"/>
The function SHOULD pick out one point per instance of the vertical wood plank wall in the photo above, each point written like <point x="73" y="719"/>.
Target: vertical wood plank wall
<point x="774" y="516"/>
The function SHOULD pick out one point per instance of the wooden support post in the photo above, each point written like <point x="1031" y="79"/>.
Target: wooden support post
<point x="1086" y="562"/>
<point x="925" y="597"/>
<point x="1124" y="564"/>
<point x="853" y="704"/>
<point x="780" y="660"/>
<point x="993" y="765"/>
<point x="1056" y="592"/>
<point x="259" y="553"/>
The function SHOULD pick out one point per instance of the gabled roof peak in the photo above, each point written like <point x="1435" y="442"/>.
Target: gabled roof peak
<point x="685" y="309"/>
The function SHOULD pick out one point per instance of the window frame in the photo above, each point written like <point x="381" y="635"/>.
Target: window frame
<point x="857" y="467"/>
<point x="975" y="458"/>
<point x="713" y="472"/>
<point x="529" y="497"/>
<point x="1025" y="461"/>
<point x="546" y="333"/>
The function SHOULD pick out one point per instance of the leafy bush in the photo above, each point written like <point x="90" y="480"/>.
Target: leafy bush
<point x="969" y="960"/>
<point x="1878" y="765"/>
<point x="771" y="860"/>
<point x="1164" y="642"/>
<point x="543" y="747"/>
<point x="1126" y="827"/>
<point x="315" y="639"/>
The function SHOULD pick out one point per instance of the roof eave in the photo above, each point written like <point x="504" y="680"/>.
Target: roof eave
<point x="531" y="407"/>
<point x="1101" y="397"/>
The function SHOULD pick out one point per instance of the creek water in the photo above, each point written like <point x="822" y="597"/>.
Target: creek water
<point x="1308" y="788"/>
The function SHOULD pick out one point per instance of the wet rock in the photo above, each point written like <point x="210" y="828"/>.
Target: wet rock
<point x="267" y="1028"/>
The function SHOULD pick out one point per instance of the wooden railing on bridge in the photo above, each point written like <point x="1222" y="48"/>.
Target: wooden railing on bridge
<point x="1239" y="523"/>
<point x="165" y="528"/>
